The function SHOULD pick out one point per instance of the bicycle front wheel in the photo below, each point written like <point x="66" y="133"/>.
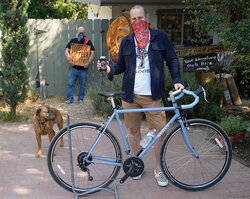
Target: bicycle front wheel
<point x="90" y="177"/>
<point x="187" y="171"/>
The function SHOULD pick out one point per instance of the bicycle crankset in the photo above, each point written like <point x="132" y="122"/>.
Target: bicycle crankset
<point x="132" y="167"/>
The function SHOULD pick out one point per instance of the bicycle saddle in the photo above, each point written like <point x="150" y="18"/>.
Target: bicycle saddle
<point x="110" y="94"/>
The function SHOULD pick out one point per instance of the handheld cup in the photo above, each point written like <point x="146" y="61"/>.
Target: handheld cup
<point x="103" y="61"/>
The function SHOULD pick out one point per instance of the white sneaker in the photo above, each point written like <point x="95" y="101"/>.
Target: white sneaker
<point x="137" y="177"/>
<point x="161" y="179"/>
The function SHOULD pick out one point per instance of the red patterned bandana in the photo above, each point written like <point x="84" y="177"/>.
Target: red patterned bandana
<point x="141" y="32"/>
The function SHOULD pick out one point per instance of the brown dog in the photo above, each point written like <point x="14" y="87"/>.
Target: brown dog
<point x="43" y="122"/>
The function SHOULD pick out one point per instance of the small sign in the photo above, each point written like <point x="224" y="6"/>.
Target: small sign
<point x="200" y="63"/>
<point x="227" y="95"/>
<point x="79" y="53"/>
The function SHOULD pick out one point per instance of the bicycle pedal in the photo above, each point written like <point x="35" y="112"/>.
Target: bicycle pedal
<point x="91" y="178"/>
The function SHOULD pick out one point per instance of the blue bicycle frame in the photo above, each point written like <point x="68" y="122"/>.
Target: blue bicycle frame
<point x="177" y="117"/>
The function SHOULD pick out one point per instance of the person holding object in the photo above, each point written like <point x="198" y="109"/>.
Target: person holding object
<point x="79" y="72"/>
<point x="141" y="59"/>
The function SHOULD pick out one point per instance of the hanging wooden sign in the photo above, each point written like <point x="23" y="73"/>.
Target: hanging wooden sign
<point x="79" y="53"/>
<point x="200" y="63"/>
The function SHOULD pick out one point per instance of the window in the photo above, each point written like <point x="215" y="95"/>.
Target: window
<point x="176" y="23"/>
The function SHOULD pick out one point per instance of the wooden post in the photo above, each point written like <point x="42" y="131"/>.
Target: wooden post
<point x="42" y="63"/>
<point x="198" y="77"/>
<point x="226" y="94"/>
<point x="233" y="90"/>
<point x="41" y="68"/>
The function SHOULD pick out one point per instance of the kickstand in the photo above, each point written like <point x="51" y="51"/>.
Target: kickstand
<point x="77" y="194"/>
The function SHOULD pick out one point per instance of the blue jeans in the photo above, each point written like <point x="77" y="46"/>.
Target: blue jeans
<point x="82" y="76"/>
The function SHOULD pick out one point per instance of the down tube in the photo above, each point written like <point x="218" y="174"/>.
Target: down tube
<point x="101" y="133"/>
<point x="158" y="136"/>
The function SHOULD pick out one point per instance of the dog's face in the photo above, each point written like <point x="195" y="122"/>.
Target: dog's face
<point x="45" y="112"/>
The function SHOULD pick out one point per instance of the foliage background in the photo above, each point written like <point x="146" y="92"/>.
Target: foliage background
<point x="57" y="9"/>
<point x="15" y="42"/>
<point x="231" y="20"/>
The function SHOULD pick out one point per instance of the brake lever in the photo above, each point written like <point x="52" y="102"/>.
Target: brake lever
<point x="205" y="95"/>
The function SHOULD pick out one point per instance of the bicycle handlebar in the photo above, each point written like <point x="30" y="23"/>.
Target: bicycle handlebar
<point x="180" y="93"/>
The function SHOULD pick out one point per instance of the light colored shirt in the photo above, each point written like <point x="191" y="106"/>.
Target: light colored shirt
<point x="142" y="74"/>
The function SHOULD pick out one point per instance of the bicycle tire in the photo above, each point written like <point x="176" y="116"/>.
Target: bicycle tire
<point x="82" y="135"/>
<point x="186" y="171"/>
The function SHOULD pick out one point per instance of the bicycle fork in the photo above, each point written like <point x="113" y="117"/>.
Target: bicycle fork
<point x="185" y="138"/>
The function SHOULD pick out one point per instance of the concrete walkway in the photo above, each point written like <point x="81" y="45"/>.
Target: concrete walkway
<point x="23" y="176"/>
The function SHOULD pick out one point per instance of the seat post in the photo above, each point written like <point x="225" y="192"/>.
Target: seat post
<point x="112" y="101"/>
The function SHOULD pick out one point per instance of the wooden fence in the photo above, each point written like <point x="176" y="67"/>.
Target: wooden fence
<point x="50" y="37"/>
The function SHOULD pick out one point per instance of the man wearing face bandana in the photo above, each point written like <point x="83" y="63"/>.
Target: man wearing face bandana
<point x="141" y="59"/>
<point x="75" y="71"/>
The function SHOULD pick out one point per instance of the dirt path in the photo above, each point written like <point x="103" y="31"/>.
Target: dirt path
<point x="77" y="112"/>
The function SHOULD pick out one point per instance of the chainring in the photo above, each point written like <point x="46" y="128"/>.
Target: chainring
<point x="135" y="165"/>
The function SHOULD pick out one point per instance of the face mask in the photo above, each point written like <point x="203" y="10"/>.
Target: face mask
<point x="141" y="32"/>
<point x="80" y="37"/>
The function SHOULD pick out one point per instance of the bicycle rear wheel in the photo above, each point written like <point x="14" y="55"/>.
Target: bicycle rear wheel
<point x="185" y="170"/>
<point x="82" y="136"/>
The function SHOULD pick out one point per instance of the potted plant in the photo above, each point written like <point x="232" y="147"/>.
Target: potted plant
<point x="235" y="128"/>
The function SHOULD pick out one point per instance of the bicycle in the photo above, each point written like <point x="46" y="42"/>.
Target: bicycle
<point x="194" y="155"/>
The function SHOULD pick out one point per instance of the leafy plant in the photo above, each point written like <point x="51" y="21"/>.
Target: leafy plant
<point x="233" y="124"/>
<point x="101" y="105"/>
<point x="57" y="9"/>
<point x="15" y="42"/>
<point x="212" y="110"/>
<point x="7" y="117"/>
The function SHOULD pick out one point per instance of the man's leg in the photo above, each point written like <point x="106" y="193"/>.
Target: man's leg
<point x="134" y="139"/>
<point x="156" y="120"/>
<point x="83" y="76"/>
<point x="133" y="123"/>
<point x="157" y="147"/>
<point x="72" y="77"/>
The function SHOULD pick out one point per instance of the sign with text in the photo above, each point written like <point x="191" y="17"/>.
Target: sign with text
<point x="200" y="63"/>
<point x="199" y="50"/>
<point x="79" y="53"/>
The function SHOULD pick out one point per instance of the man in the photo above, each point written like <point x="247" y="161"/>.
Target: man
<point x="77" y="71"/>
<point x="141" y="58"/>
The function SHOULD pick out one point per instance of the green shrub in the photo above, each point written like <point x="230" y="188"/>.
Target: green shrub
<point x="8" y="117"/>
<point x="101" y="105"/>
<point x="210" y="111"/>
<point x="233" y="124"/>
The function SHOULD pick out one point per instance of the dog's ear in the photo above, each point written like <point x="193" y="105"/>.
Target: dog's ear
<point x="38" y="111"/>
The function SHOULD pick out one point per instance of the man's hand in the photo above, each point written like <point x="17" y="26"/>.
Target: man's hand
<point x="99" y="66"/>
<point x="86" y="65"/>
<point x="178" y="85"/>
<point x="71" y="63"/>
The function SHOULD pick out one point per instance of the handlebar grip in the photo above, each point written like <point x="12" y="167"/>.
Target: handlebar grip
<point x="198" y="91"/>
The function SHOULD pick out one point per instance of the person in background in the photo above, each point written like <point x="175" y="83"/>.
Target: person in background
<point x="141" y="59"/>
<point x="76" y="71"/>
